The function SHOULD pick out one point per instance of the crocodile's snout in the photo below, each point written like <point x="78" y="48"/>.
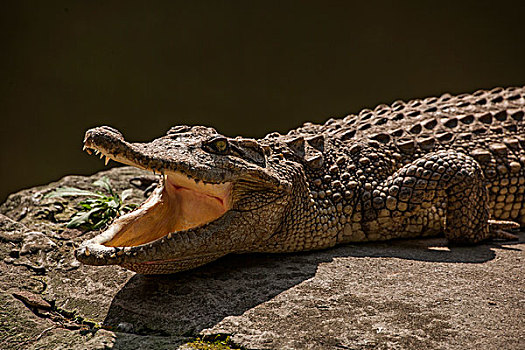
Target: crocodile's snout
<point x="103" y="137"/>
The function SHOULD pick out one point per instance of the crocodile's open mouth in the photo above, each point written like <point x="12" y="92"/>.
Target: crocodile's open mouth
<point x="179" y="203"/>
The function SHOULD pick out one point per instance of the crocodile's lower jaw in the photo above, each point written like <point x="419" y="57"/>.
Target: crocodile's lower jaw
<point x="170" y="266"/>
<point x="180" y="203"/>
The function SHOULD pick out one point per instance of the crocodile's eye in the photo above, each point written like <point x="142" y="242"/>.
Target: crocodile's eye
<point x="219" y="145"/>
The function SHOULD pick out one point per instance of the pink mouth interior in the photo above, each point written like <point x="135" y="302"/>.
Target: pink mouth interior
<point x="182" y="204"/>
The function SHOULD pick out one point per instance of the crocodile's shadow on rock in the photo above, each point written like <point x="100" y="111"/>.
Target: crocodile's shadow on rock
<point x="188" y="302"/>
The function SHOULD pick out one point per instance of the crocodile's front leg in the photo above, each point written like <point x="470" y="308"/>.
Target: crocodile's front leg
<point x="442" y="191"/>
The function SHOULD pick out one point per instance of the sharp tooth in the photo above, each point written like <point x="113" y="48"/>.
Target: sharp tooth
<point x="97" y="151"/>
<point x="101" y="155"/>
<point x="106" y="161"/>
<point x="84" y="148"/>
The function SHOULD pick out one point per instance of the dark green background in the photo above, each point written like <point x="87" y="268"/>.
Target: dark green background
<point x="243" y="67"/>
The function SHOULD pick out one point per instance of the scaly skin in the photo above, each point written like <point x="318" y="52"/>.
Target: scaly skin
<point x="453" y="165"/>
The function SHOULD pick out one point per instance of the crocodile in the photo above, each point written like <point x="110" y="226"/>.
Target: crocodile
<point x="451" y="166"/>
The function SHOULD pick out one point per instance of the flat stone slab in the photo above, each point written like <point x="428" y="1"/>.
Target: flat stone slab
<point x="411" y="294"/>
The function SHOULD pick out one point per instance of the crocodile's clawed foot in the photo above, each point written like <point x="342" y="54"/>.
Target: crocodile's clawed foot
<point x="499" y="230"/>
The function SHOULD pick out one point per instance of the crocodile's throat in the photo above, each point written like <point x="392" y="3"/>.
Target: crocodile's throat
<point x="180" y="203"/>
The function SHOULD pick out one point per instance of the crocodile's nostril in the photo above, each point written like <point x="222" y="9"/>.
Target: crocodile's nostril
<point x="112" y="130"/>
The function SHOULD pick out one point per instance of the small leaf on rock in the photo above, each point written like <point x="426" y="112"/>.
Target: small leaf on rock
<point x="71" y="191"/>
<point x="126" y="194"/>
<point x="103" y="182"/>
<point x="82" y="218"/>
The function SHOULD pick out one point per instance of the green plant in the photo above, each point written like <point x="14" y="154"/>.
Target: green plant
<point x="213" y="342"/>
<point x="98" y="211"/>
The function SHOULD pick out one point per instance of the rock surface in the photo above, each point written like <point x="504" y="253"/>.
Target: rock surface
<point x="413" y="294"/>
